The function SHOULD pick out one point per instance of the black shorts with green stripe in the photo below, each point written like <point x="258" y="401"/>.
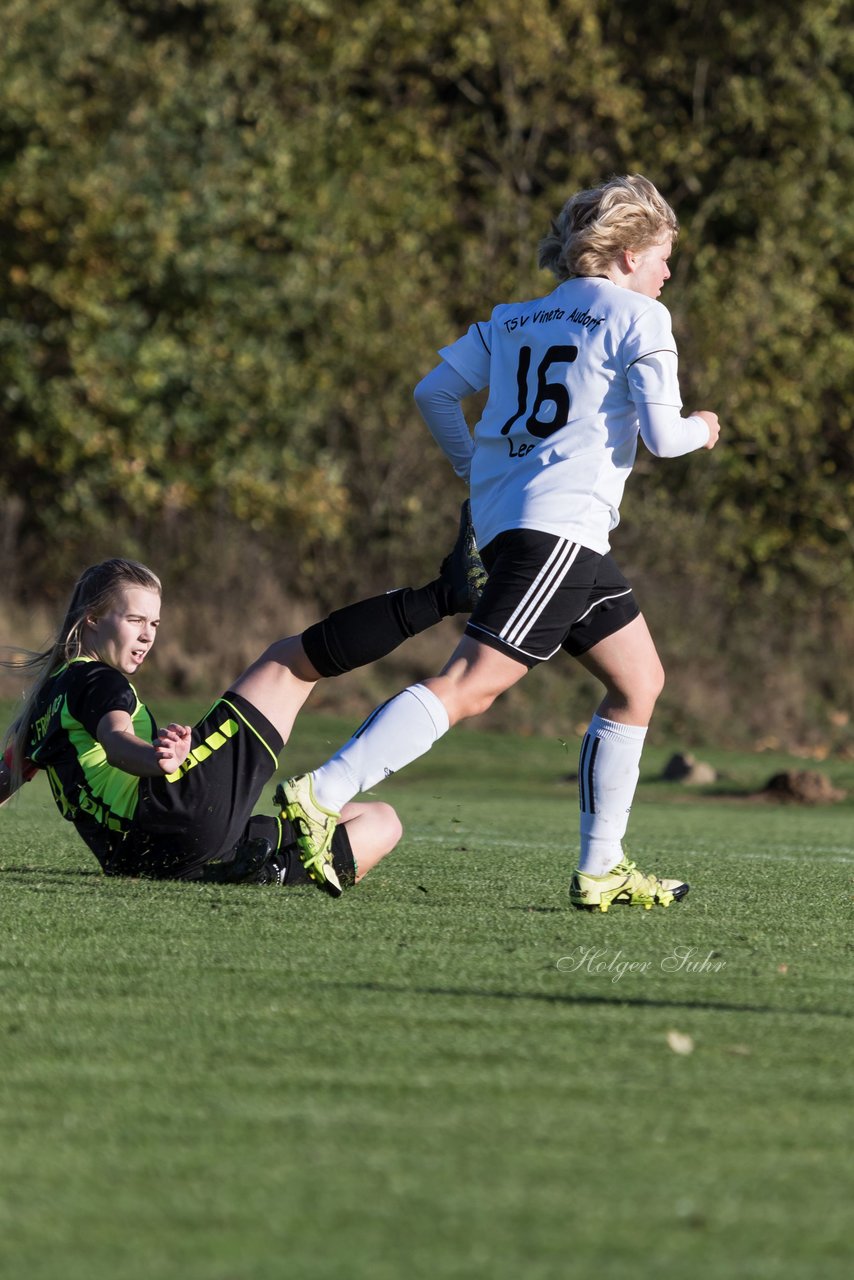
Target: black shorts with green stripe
<point x="201" y="811"/>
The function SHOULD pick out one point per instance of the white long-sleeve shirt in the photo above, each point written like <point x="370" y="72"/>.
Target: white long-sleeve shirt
<point x="573" y="379"/>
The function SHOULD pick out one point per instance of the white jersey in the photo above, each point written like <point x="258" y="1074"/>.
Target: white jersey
<point x="558" y="436"/>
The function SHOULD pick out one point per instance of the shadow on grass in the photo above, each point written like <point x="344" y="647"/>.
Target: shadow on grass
<point x="542" y="997"/>
<point x="54" y="873"/>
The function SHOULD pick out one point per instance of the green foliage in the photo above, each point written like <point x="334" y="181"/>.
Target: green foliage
<point x="235" y="233"/>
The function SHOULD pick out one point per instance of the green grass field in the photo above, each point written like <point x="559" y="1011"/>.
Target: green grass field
<point x="447" y="1073"/>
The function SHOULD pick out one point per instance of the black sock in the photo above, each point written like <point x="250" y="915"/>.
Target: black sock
<point x="287" y="858"/>
<point x="363" y="632"/>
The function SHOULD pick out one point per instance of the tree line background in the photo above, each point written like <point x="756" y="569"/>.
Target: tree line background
<point x="233" y="234"/>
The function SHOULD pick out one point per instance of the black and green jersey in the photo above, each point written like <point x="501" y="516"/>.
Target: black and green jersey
<point x="168" y="825"/>
<point x="99" y="799"/>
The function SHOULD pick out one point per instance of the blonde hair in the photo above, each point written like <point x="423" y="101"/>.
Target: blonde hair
<point x="594" y="227"/>
<point x="96" y="591"/>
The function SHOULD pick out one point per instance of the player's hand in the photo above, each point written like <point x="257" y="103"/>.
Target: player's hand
<point x="172" y="746"/>
<point x="711" y="421"/>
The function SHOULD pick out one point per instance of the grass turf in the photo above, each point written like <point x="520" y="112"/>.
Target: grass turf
<point x="447" y="1073"/>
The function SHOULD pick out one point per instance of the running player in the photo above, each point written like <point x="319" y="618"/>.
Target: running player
<point x="177" y="803"/>
<point x="573" y="379"/>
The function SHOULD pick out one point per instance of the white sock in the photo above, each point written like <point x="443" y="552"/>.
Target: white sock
<point x="392" y="737"/>
<point x="608" y="771"/>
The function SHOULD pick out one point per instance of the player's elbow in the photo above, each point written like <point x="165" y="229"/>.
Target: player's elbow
<point x="659" y="450"/>
<point x="663" y="443"/>
<point x="424" y="394"/>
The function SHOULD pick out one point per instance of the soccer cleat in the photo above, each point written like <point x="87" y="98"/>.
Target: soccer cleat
<point x="314" y="828"/>
<point x="462" y="571"/>
<point x="252" y="861"/>
<point x="624" y="885"/>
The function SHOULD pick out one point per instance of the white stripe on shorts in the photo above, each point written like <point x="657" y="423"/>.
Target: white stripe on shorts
<point x="596" y="603"/>
<point x="537" y="657"/>
<point x="540" y="592"/>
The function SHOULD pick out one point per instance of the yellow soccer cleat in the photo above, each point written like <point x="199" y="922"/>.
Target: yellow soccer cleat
<point x="314" y="827"/>
<point x="624" y="885"/>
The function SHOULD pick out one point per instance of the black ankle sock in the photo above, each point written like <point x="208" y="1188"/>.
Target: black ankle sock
<point x="342" y="860"/>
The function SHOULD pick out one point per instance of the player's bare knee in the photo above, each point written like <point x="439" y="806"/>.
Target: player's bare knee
<point x="636" y="698"/>
<point x="641" y="703"/>
<point x="646" y="686"/>
<point x="289" y="654"/>
<point x="383" y="836"/>
<point x="389" y="828"/>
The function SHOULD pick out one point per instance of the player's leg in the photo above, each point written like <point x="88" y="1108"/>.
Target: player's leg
<point x="537" y="586"/>
<point x="528" y="604"/>
<point x="393" y="736"/>
<point x="278" y="685"/>
<point x="408" y="725"/>
<point x="363" y="632"/>
<point x="374" y="830"/>
<point x="627" y="664"/>
<point x="280" y="681"/>
<point x="267" y="852"/>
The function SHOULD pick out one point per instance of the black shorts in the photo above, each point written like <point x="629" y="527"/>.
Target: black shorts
<point x="198" y="813"/>
<point x="546" y="593"/>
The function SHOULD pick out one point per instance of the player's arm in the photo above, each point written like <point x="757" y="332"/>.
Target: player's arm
<point x="438" y="397"/>
<point x="7" y="781"/>
<point x="668" y="435"/>
<point x="464" y="369"/>
<point x="125" y="750"/>
<point x="653" y="379"/>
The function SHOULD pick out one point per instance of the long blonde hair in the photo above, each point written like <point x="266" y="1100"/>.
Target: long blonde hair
<point x="594" y="227"/>
<point x="96" y="591"/>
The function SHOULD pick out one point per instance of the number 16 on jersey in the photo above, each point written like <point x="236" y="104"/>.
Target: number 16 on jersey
<point x="556" y="393"/>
